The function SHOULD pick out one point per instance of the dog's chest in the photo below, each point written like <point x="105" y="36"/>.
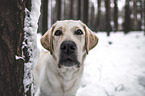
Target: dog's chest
<point x="69" y="80"/>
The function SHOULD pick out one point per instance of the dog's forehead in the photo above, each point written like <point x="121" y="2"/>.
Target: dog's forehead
<point x="68" y="24"/>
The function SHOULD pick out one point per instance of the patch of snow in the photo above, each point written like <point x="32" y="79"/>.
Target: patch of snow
<point x="121" y="4"/>
<point x="19" y="57"/>
<point x="115" y="67"/>
<point x="41" y="48"/>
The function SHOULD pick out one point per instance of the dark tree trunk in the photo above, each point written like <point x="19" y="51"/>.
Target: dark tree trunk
<point x="98" y="16"/>
<point x="44" y="10"/>
<point x="115" y="16"/>
<point x="58" y="9"/>
<point x="53" y="13"/>
<point x="144" y="14"/>
<point x="86" y="5"/>
<point x="92" y="23"/>
<point x="127" y="19"/>
<point x="75" y="9"/>
<point x="11" y="37"/>
<point x="79" y="9"/>
<point x="135" y="20"/>
<point x="71" y="9"/>
<point x="108" y="26"/>
<point x="139" y="10"/>
<point x="62" y="9"/>
<point x="82" y="10"/>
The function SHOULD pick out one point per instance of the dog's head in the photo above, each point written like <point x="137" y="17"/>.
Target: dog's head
<point x="69" y="41"/>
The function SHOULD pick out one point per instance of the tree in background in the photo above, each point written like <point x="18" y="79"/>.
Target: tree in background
<point x="115" y="15"/>
<point x="107" y="17"/>
<point x="71" y="9"/>
<point x="127" y="19"/>
<point x="44" y="13"/>
<point x="86" y="6"/>
<point x="98" y="15"/>
<point x="85" y="10"/>
<point x="143" y="2"/>
<point x="92" y="18"/>
<point x="58" y="4"/>
<point x="79" y="9"/>
<point x="139" y="15"/>
<point x="135" y="20"/>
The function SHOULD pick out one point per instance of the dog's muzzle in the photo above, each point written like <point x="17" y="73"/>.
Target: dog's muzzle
<point x="68" y="57"/>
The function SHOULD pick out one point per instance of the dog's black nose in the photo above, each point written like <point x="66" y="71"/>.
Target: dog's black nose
<point x="68" y="47"/>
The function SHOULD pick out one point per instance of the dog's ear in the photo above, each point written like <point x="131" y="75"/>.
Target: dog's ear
<point x="46" y="40"/>
<point x="91" y="40"/>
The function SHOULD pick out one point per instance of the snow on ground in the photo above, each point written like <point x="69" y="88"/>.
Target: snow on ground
<point x="115" y="67"/>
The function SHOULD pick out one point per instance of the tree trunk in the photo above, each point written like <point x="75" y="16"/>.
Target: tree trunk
<point x="144" y="14"/>
<point x="107" y="18"/>
<point x="127" y="19"/>
<point x="53" y="13"/>
<point x="135" y="21"/>
<point x="44" y="14"/>
<point x="63" y="9"/>
<point x="92" y="23"/>
<point x="71" y="9"/>
<point x="79" y="9"/>
<point x="58" y="9"/>
<point x="98" y="16"/>
<point x="115" y="16"/>
<point x="11" y="37"/>
<point x="86" y="5"/>
<point x="75" y="9"/>
<point x="140" y="15"/>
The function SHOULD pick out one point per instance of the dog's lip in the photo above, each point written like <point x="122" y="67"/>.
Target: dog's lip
<point x="61" y="66"/>
<point x="68" y="59"/>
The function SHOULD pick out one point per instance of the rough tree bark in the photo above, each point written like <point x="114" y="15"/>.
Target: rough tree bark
<point x="12" y="16"/>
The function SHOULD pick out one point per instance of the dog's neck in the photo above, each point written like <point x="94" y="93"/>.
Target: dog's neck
<point x="69" y="78"/>
<point x="68" y="73"/>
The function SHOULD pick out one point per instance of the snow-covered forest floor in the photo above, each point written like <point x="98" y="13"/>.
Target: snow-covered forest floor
<point x="115" y="67"/>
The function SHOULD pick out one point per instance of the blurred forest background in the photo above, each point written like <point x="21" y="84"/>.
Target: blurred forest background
<point x="99" y="15"/>
<point x="18" y="31"/>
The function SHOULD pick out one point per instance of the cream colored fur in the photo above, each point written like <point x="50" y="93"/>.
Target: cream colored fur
<point x="50" y="80"/>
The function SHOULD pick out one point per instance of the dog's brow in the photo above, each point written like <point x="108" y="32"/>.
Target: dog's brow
<point x="58" y="28"/>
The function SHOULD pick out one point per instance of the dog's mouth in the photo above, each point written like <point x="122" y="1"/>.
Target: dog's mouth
<point x="68" y="62"/>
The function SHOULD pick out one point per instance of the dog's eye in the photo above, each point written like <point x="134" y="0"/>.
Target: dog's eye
<point x="78" y="32"/>
<point x="58" y="33"/>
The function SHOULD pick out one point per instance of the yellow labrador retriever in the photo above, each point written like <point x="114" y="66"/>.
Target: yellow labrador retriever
<point x="59" y="71"/>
